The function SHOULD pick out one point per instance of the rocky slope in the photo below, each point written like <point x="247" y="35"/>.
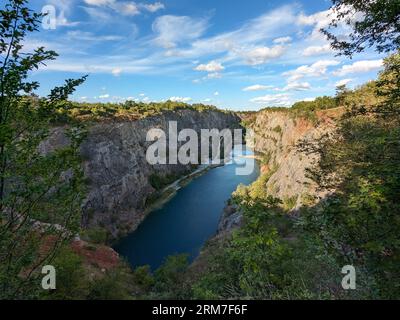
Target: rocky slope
<point x="275" y="136"/>
<point x="118" y="173"/>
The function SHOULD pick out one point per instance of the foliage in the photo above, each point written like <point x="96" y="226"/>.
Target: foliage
<point x="77" y="281"/>
<point x="131" y="110"/>
<point x="168" y="276"/>
<point x="266" y="259"/>
<point x="276" y="257"/>
<point x="72" y="281"/>
<point x="374" y="23"/>
<point x="320" y="103"/>
<point x="95" y="235"/>
<point x="359" y="224"/>
<point x="166" y="282"/>
<point x="116" y="284"/>
<point x="36" y="185"/>
<point x="159" y="182"/>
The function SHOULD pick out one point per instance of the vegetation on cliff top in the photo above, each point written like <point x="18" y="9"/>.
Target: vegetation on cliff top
<point x="129" y="110"/>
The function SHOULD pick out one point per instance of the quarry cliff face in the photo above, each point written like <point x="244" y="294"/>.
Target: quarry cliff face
<point x="119" y="176"/>
<point x="275" y="136"/>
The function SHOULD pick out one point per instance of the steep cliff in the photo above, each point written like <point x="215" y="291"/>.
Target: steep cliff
<point x="275" y="136"/>
<point x="118" y="174"/>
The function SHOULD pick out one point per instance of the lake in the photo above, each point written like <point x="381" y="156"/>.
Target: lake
<point x="190" y="218"/>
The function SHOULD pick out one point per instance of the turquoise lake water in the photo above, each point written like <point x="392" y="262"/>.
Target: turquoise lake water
<point x="188" y="220"/>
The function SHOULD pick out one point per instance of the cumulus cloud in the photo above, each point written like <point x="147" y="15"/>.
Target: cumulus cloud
<point x="212" y="66"/>
<point x="257" y="87"/>
<point x="262" y="55"/>
<point x="104" y="96"/>
<point x="317" y="50"/>
<point x="273" y="99"/>
<point x="359" y="67"/>
<point x="319" y="20"/>
<point x="173" y="30"/>
<point x="317" y="69"/>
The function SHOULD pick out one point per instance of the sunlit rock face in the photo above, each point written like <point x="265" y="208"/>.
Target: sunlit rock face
<point x="276" y="137"/>
<point x="114" y="160"/>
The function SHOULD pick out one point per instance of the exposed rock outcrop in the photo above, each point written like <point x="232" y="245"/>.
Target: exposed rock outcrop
<point x="276" y="135"/>
<point x="115" y="165"/>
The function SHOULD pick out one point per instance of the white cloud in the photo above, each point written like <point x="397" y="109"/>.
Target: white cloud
<point x="104" y="96"/>
<point x="246" y="43"/>
<point x="297" y="86"/>
<point x="359" y="67"/>
<point x="122" y="7"/>
<point x="322" y="19"/>
<point x="257" y="87"/>
<point x="214" y="75"/>
<point x="127" y="8"/>
<point x="98" y="14"/>
<point x="319" y="20"/>
<point x="99" y="2"/>
<point x="317" y="50"/>
<point x="63" y="7"/>
<point x="180" y="99"/>
<point x="317" y="69"/>
<point x="283" y="40"/>
<point x="173" y="30"/>
<point x="273" y="99"/>
<point x="116" y="72"/>
<point x="216" y="93"/>
<point x="212" y="66"/>
<point x="262" y="55"/>
<point x="88" y="36"/>
<point x="343" y="82"/>
<point x="153" y="7"/>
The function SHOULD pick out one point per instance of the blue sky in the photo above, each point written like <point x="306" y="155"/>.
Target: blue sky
<point x="241" y="55"/>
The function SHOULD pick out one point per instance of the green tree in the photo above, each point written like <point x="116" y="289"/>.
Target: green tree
<point x="359" y="223"/>
<point x="41" y="188"/>
<point x="374" y="23"/>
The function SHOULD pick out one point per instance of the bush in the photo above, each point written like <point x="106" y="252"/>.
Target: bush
<point x="96" y="235"/>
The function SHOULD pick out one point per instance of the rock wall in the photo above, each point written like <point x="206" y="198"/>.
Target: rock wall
<point x="118" y="173"/>
<point x="275" y="136"/>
